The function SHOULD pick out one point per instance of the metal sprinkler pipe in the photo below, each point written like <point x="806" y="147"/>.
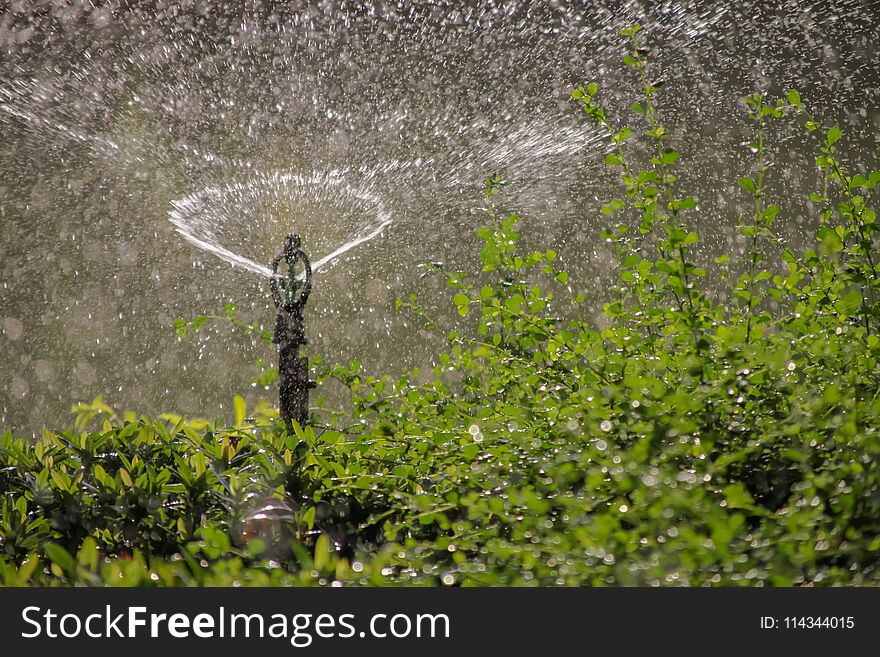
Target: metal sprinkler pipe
<point x="290" y="295"/>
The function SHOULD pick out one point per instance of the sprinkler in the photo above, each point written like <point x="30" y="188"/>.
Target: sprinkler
<point x="290" y="294"/>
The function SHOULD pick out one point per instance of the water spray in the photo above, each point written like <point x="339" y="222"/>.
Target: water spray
<point x="290" y="294"/>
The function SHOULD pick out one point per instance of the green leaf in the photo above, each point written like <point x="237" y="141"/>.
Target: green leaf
<point x="834" y="135"/>
<point x="308" y="517"/>
<point x="181" y="327"/>
<point x="670" y="157"/>
<point x="769" y="214"/>
<point x="469" y="452"/>
<point x="323" y="552"/>
<point x="240" y="407"/>
<point x="61" y="481"/>
<point x="738" y="497"/>
<point x="256" y="547"/>
<point x="514" y="303"/>
<point x="612" y="206"/>
<point x="60" y="556"/>
<point x="484" y="232"/>
<point x="748" y="184"/>
<point x="89" y="555"/>
<point x="462" y="303"/>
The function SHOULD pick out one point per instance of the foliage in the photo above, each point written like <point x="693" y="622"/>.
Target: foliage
<point x="681" y="441"/>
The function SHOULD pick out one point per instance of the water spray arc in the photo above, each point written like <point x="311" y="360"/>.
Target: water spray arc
<point x="290" y="295"/>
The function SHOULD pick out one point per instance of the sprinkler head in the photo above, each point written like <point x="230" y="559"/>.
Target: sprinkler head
<point x="296" y="289"/>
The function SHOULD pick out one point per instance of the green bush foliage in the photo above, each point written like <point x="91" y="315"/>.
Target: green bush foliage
<point x="682" y="440"/>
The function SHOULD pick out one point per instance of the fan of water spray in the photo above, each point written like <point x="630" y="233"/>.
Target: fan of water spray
<point x="243" y="222"/>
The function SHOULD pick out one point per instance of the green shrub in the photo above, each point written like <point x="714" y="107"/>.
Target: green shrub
<point x="684" y="440"/>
